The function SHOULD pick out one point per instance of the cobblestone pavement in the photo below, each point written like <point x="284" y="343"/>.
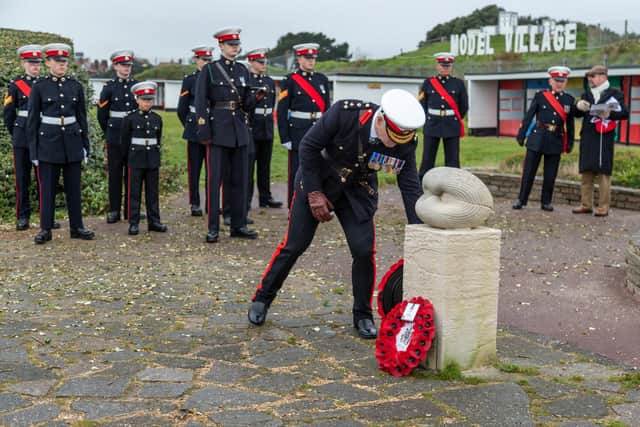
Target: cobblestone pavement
<point x="152" y="330"/>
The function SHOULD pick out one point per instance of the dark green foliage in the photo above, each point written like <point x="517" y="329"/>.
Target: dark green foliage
<point x="328" y="49"/>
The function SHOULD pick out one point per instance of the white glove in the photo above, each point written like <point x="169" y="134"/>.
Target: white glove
<point x="287" y="145"/>
<point x="86" y="159"/>
<point x="583" y="105"/>
<point x="35" y="163"/>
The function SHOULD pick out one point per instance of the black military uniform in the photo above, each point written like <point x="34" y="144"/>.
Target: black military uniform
<point x="58" y="141"/>
<point x="550" y="137"/>
<point x="141" y="136"/>
<point x="298" y="111"/>
<point x="116" y="101"/>
<point x="222" y="100"/>
<point x="261" y="123"/>
<point x="15" y="120"/>
<point x="442" y="120"/>
<point x="339" y="158"/>
<point x="196" y="152"/>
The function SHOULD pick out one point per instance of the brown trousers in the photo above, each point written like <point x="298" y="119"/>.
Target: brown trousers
<point x="604" y="190"/>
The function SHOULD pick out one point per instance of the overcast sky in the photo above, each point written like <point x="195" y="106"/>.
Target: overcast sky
<point x="163" y="29"/>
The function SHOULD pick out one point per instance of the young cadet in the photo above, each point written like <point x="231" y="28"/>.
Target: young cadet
<point x="141" y="135"/>
<point x="15" y="120"/>
<point x="116" y="101"/>
<point x="339" y="158"/>
<point x="58" y="140"/>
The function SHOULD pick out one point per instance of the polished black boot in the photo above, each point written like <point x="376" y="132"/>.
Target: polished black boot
<point x="22" y="224"/>
<point x="258" y="312"/>
<point x="196" y="210"/>
<point x="271" y="204"/>
<point x="113" y="217"/>
<point x="547" y="207"/>
<point x="212" y="236"/>
<point x="517" y="204"/>
<point x="42" y="237"/>
<point x="134" y="229"/>
<point x="366" y="329"/>
<point x="157" y="226"/>
<point x="244" y="233"/>
<point x="82" y="233"/>
<point x="56" y="225"/>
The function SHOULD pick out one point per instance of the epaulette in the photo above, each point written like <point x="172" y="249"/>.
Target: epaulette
<point x="354" y="104"/>
<point x="185" y="76"/>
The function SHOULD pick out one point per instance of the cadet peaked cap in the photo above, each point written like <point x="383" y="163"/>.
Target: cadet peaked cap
<point x="124" y="57"/>
<point x="259" y="54"/>
<point x="229" y="35"/>
<point x="203" y="52"/>
<point x="444" y="58"/>
<point x="559" y="73"/>
<point x="57" y="51"/>
<point x="308" y="50"/>
<point x="402" y="113"/>
<point x="597" y="69"/>
<point x="30" y="53"/>
<point x="145" y="89"/>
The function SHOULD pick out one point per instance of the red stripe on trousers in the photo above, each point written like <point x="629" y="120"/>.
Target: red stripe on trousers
<point x="208" y="184"/>
<point x="289" y="178"/>
<point x="373" y="260"/>
<point x="189" y="172"/>
<point x="128" y="193"/>
<point x="278" y="249"/>
<point x="39" y="192"/>
<point x="15" y="176"/>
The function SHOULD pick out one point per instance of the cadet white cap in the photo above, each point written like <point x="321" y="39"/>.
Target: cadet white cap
<point x="57" y="51"/>
<point x="403" y="115"/>
<point x="259" y="54"/>
<point x="145" y="89"/>
<point x="229" y="35"/>
<point x="124" y="57"/>
<point x="559" y="73"/>
<point x="204" y="52"/>
<point x="445" y="58"/>
<point x="30" y="53"/>
<point x="308" y="50"/>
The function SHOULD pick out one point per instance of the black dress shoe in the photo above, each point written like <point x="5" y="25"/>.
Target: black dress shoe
<point x="227" y="221"/>
<point x="22" y="224"/>
<point x="42" y="237"/>
<point x="212" y="236"/>
<point x="366" y="329"/>
<point x="258" y="312"/>
<point x="271" y="204"/>
<point x="56" y="225"/>
<point x="517" y="204"/>
<point x="196" y="210"/>
<point x="82" y="233"/>
<point x="157" y="226"/>
<point x="113" y="217"/>
<point x="133" y="229"/>
<point x="244" y="233"/>
<point x="547" y="207"/>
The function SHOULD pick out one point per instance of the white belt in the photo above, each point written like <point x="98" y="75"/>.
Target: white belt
<point x="305" y="115"/>
<point x="23" y="113"/>
<point x="437" y="112"/>
<point x="118" y="114"/>
<point x="59" y="121"/>
<point x="265" y="111"/>
<point x="144" y="141"/>
<point x="192" y="108"/>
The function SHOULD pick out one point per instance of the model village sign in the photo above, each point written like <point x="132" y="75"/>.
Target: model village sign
<point x="547" y="37"/>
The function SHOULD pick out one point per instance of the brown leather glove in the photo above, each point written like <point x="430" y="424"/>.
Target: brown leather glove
<point x="320" y="206"/>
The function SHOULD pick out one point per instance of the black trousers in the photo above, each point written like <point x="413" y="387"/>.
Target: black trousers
<point x="529" y="169"/>
<point x="196" y="156"/>
<point x="451" y="153"/>
<point x="292" y="169"/>
<point x="48" y="176"/>
<point x="117" y="166"/>
<point x="237" y="162"/>
<point x="264" y="150"/>
<point x="151" y="179"/>
<point x="22" y="171"/>
<point x="300" y="231"/>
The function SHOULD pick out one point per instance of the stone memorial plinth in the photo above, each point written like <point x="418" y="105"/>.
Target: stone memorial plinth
<point x="458" y="271"/>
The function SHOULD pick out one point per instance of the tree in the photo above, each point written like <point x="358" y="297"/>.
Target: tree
<point x="328" y="49"/>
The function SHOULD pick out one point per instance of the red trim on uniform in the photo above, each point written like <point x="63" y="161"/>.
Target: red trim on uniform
<point x="256" y="56"/>
<point x="15" y="178"/>
<point x="199" y="53"/>
<point x="57" y="52"/>
<point x="365" y="117"/>
<point x="31" y="54"/>
<point x="39" y="193"/>
<point x="394" y="127"/>
<point x="232" y="36"/>
<point x="442" y="59"/>
<point x="435" y="83"/>
<point x="307" y="52"/>
<point x="208" y="159"/>
<point x="309" y="90"/>
<point x="289" y="178"/>
<point x="374" y="250"/>
<point x="560" y="110"/>
<point x="189" y="172"/>
<point x="146" y="91"/>
<point x="129" y="192"/>
<point x="279" y="249"/>
<point x="558" y="74"/>
<point x="24" y="88"/>
<point x="122" y="58"/>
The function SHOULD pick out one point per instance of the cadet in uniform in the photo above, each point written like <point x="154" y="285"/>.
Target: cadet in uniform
<point x="196" y="152"/>
<point x="339" y="158"/>
<point x="261" y="123"/>
<point x="304" y="96"/>
<point x="223" y="99"/>
<point x="445" y="102"/>
<point x="552" y="135"/>
<point x="58" y="140"/>
<point x="116" y="101"/>
<point x="15" y="120"/>
<point x="141" y="136"/>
